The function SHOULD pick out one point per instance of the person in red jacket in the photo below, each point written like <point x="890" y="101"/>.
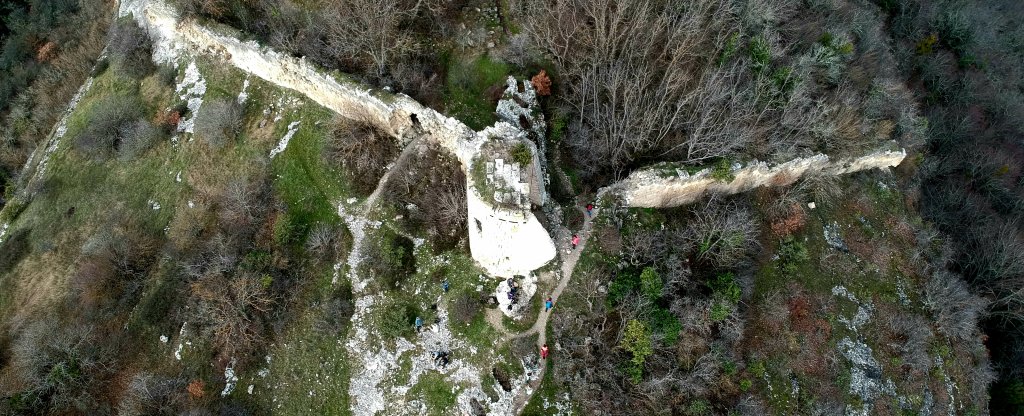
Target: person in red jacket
<point x="544" y="352"/>
<point x="575" y="241"/>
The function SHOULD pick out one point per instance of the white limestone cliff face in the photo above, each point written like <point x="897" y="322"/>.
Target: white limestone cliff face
<point x="654" y="188"/>
<point x="505" y="243"/>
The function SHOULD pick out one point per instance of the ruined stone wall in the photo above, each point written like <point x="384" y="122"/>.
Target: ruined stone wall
<point x="506" y="242"/>
<point x="391" y="112"/>
<point x="662" y="188"/>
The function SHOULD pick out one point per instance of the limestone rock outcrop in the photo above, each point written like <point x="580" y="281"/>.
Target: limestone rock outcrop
<point x="662" y="188"/>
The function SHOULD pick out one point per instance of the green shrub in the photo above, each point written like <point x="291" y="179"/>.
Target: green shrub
<point x="730" y="48"/>
<point x="107" y="123"/>
<point x="724" y="286"/>
<point x="699" y="407"/>
<point x="636" y="339"/>
<point x="760" y="54"/>
<point x="557" y="128"/>
<point x="784" y="81"/>
<point x="650" y="283"/>
<point x="826" y="39"/>
<point x="720" y="311"/>
<point x="664" y="323"/>
<point x="954" y="31"/>
<point x="927" y="45"/>
<point x="723" y="171"/>
<point x="729" y="367"/>
<point x="399" y="319"/>
<point x="394" y="260"/>
<point x="283" y="230"/>
<point x="746" y="384"/>
<point x="791" y="255"/>
<point x="625" y="282"/>
<point x="256" y="261"/>
<point x="758" y="369"/>
<point x="521" y="154"/>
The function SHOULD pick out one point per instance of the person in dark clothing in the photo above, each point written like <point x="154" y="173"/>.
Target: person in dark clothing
<point x="441" y="358"/>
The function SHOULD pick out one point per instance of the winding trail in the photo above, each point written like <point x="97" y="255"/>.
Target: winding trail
<point x="367" y="398"/>
<point x="570" y="257"/>
<point x="357" y="222"/>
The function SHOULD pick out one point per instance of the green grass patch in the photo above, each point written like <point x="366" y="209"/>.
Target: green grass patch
<point x="468" y="85"/>
<point x="548" y="392"/>
<point x="308" y="187"/>
<point x="305" y="361"/>
<point x="436" y="392"/>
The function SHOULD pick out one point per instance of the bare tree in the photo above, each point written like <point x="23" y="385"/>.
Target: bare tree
<point x="218" y="121"/>
<point x="369" y="31"/>
<point x="628" y="73"/>
<point x="643" y="246"/>
<point x="150" y="393"/>
<point x="956" y="309"/>
<point x="108" y="122"/>
<point x="243" y="203"/>
<point x="721" y="232"/>
<point x="362" y="150"/>
<point x="137" y="137"/>
<point x="451" y="204"/>
<point x="129" y="47"/>
<point x="320" y="240"/>
<point x="721" y="117"/>
<point x="60" y="365"/>
<point x="232" y="310"/>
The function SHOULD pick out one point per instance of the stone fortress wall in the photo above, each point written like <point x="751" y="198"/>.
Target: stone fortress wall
<point x="504" y="242"/>
<point x="663" y="188"/>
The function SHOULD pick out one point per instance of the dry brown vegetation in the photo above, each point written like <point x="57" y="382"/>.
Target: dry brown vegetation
<point x="650" y="80"/>
<point x="387" y="42"/>
<point x="432" y="197"/>
<point x="363" y="151"/>
<point x="29" y="111"/>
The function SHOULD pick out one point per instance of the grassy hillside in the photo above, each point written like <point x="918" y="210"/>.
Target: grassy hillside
<point x="185" y="247"/>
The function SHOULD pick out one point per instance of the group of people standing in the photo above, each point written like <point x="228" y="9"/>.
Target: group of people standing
<point x="513" y="292"/>
<point x="442" y="358"/>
